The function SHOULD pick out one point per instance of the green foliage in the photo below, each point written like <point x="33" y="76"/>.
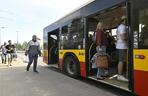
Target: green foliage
<point x="24" y="45"/>
<point x="21" y="47"/>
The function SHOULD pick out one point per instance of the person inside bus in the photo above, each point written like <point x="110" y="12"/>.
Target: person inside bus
<point x="121" y="46"/>
<point x="111" y="43"/>
<point x="101" y="44"/>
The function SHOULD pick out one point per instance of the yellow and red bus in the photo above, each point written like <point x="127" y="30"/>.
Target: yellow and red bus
<point x="68" y="42"/>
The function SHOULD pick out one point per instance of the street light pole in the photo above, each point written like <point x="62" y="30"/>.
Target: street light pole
<point x="0" y="35"/>
<point x="17" y="36"/>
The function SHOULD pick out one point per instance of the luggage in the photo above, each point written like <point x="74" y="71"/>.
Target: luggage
<point x="102" y="61"/>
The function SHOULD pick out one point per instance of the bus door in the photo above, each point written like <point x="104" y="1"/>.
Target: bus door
<point x="53" y="47"/>
<point x="140" y="32"/>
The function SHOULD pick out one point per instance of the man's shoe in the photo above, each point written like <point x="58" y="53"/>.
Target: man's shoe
<point x="122" y="78"/>
<point x="36" y="71"/>
<point x="27" y="69"/>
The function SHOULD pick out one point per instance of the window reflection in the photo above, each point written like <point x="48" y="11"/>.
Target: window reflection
<point x="143" y="28"/>
<point x="72" y="35"/>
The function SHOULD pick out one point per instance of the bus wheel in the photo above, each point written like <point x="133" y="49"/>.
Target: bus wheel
<point x="72" y="66"/>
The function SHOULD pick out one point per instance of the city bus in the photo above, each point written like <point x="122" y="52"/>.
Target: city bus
<point x="69" y="42"/>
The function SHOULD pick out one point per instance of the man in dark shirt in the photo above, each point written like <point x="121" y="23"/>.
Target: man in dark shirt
<point x="10" y="51"/>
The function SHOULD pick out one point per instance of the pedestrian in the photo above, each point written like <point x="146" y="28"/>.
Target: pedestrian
<point x="10" y="51"/>
<point x="3" y="55"/>
<point x="15" y="54"/>
<point x="33" y="50"/>
<point x="101" y="43"/>
<point x="122" y="48"/>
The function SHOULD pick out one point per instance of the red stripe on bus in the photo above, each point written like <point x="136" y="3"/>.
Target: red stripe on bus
<point x="60" y="65"/>
<point x="83" y="69"/>
<point x="45" y="59"/>
<point x="141" y="82"/>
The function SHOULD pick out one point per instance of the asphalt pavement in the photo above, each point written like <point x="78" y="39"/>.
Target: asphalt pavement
<point x="16" y="81"/>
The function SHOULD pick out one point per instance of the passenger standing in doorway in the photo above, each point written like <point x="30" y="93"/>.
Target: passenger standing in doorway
<point x="101" y="42"/>
<point x="10" y="51"/>
<point x="33" y="50"/>
<point x="122" y="47"/>
<point x="4" y="50"/>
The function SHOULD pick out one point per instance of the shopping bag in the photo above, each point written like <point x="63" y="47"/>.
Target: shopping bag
<point x="102" y="61"/>
<point x="26" y="60"/>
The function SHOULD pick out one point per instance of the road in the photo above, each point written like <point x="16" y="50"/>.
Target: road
<point x="15" y="81"/>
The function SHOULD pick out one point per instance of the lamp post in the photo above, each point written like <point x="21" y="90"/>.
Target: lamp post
<point x="0" y="34"/>
<point x="17" y="36"/>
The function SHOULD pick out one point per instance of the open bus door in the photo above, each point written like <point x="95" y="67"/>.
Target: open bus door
<point x="140" y="33"/>
<point x="53" y="47"/>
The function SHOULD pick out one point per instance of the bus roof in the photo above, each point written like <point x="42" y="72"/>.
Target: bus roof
<point x="91" y="7"/>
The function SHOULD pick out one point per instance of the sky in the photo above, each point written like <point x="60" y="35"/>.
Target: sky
<point x="24" y="18"/>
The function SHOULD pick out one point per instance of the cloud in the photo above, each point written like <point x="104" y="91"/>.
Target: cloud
<point x="56" y="4"/>
<point x="31" y="16"/>
<point x="39" y="3"/>
<point x="6" y="11"/>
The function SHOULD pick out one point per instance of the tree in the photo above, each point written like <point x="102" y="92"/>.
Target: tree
<point x="24" y="45"/>
<point x="18" y="47"/>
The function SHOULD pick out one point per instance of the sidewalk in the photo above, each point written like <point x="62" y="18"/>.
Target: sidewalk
<point x="19" y="63"/>
<point x="16" y="81"/>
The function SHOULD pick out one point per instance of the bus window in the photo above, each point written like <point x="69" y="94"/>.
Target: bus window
<point x="63" y="37"/>
<point x="143" y="29"/>
<point x="91" y="35"/>
<point x="54" y="37"/>
<point x="72" y="35"/>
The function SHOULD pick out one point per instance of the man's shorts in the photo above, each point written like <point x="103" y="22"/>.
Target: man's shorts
<point x="122" y="54"/>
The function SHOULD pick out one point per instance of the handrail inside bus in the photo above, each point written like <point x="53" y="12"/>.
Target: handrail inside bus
<point x="89" y="55"/>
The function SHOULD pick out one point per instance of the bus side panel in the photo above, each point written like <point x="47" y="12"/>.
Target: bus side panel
<point x="60" y="65"/>
<point x="45" y="56"/>
<point x="141" y="72"/>
<point x="83" y="69"/>
<point x="141" y="82"/>
<point x="80" y="54"/>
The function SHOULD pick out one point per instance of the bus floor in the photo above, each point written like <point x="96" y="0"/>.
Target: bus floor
<point x="54" y="65"/>
<point x="112" y="80"/>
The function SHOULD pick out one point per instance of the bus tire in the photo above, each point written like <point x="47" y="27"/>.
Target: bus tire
<point x="71" y="66"/>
